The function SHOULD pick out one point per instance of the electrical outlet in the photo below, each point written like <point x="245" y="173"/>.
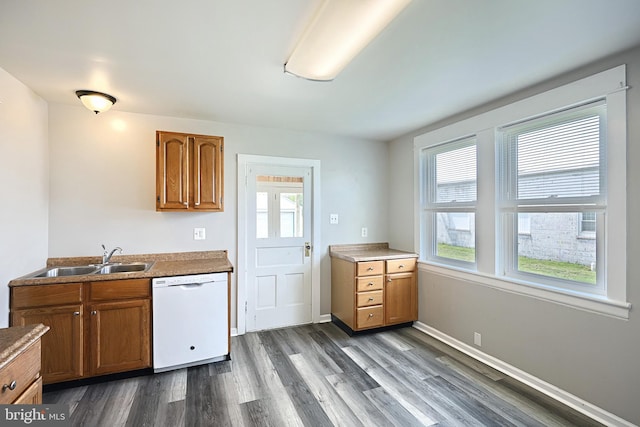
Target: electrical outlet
<point x="364" y="232"/>
<point x="199" y="234"/>
<point x="333" y="219"/>
<point x="477" y="339"/>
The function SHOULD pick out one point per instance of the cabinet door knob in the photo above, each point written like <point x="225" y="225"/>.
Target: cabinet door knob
<point x="11" y="386"/>
<point x="389" y="279"/>
<point x="76" y="313"/>
<point x="93" y="312"/>
<point x="370" y="315"/>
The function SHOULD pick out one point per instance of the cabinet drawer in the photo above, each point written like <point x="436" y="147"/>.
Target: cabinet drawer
<point x="370" y="268"/>
<point x="24" y="370"/>
<point x="365" y="299"/>
<point x="369" y="283"/>
<point x="401" y="265"/>
<point x="119" y="289"/>
<point x="32" y="396"/>
<point x="45" y="295"/>
<point x="369" y="317"/>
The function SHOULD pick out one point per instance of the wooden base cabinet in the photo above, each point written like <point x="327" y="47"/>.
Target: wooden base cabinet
<point x="106" y="330"/>
<point x="20" y="379"/>
<point x="373" y="294"/>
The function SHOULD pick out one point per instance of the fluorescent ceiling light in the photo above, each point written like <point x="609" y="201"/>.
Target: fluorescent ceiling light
<point x="339" y="30"/>
<point x="97" y="102"/>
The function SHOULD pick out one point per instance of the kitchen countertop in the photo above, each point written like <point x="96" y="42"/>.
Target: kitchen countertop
<point x="368" y="252"/>
<point x="16" y="339"/>
<point x="165" y="264"/>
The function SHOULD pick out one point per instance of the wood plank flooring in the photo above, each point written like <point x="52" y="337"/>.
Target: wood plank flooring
<point x="316" y="375"/>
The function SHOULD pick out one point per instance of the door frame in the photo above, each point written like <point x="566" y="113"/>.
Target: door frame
<point x="244" y="162"/>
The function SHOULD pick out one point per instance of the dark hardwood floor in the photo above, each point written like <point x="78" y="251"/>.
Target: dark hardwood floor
<point x="316" y="375"/>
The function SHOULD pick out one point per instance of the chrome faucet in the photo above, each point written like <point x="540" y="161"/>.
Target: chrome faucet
<point x="106" y="255"/>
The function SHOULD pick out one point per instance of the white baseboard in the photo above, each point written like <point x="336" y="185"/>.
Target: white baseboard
<point x="580" y="405"/>
<point x="234" y="332"/>
<point x="324" y="318"/>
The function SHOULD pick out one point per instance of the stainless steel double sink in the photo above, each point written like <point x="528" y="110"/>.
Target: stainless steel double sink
<point x="92" y="269"/>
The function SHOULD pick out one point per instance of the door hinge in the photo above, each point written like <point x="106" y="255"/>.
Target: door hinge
<point x="245" y="306"/>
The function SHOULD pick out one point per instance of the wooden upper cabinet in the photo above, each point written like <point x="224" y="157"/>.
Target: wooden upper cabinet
<point x="207" y="173"/>
<point x="189" y="172"/>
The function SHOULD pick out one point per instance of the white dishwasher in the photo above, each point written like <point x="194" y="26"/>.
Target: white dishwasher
<point x="190" y="320"/>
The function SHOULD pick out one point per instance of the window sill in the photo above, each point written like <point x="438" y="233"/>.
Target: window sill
<point x="592" y="303"/>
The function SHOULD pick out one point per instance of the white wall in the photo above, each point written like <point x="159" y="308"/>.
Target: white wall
<point x="103" y="185"/>
<point x="592" y="356"/>
<point x="24" y="193"/>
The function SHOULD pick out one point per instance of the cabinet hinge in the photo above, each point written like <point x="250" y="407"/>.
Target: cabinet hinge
<point x="157" y="143"/>
<point x="158" y="199"/>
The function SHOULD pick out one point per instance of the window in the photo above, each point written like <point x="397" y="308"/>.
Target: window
<point x="550" y="174"/>
<point x="527" y="205"/>
<point x="450" y="201"/>
<point x="587" y="224"/>
<point x="279" y="207"/>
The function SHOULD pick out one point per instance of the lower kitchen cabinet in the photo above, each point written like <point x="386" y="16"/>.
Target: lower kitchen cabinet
<point x="96" y="328"/>
<point x="60" y="308"/>
<point x="119" y="336"/>
<point x="375" y="293"/>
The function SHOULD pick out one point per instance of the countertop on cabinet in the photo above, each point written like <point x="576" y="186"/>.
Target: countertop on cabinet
<point x="16" y="339"/>
<point x="164" y="265"/>
<point x="368" y="252"/>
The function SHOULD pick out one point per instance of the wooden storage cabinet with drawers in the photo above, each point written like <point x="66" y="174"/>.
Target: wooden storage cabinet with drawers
<point x="20" y="350"/>
<point x="373" y="294"/>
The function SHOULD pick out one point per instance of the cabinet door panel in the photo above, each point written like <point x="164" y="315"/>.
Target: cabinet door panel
<point x="62" y="346"/>
<point x="400" y="298"/>
<point x="120" y="336"/>
<point x="207" y="173"/>
<point x="172" y="178"/>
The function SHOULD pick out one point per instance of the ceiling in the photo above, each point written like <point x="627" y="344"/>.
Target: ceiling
<point x="222" y="60"/>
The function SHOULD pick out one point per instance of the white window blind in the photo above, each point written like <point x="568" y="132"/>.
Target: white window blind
<point x="456" y="170"/>
<point x="556" y="156"/>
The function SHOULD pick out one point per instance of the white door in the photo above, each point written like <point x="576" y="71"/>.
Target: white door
<point x="278" y="246"/>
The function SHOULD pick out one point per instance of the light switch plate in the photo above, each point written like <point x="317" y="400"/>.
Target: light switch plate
<point x="199" y="234"/>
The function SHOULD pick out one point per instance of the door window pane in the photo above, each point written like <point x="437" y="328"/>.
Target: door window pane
<point x="291" y="208"/>
<point x="262" y="214"/>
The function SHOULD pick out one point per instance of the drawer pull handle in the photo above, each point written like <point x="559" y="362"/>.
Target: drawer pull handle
<point x="76" y="313"/>
<point x="11" y="386"/>
<point x="370" y="284"/>
<point x="370" y="298"/>
<point x="370" y="315"/>
<point x="401" y="266"/>
<point x="370" y="269"/>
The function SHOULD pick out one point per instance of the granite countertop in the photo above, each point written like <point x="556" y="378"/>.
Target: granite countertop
<point x="17" y="339"/>
<point x="368" y="252"/>
<point x="165" y="265"/>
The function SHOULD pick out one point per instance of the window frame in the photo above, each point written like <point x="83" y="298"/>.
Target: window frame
<point x="431" y="207"/>
<point x="609" y="85"/>
<point x="510" y="204"/>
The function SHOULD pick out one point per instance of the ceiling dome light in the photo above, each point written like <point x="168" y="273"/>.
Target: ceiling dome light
<point x="97" y="102"/>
